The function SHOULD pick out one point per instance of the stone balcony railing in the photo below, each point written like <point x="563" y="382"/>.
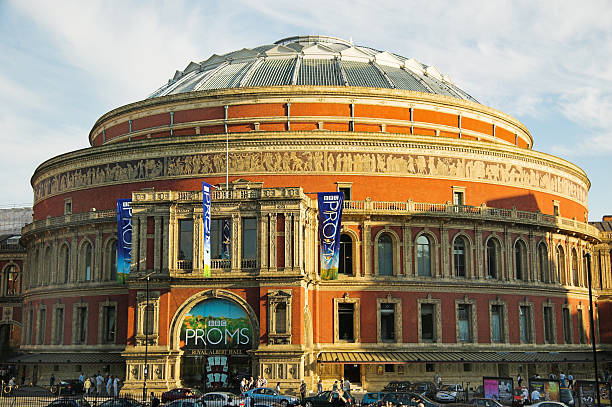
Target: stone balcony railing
<point x="366" y="207"/>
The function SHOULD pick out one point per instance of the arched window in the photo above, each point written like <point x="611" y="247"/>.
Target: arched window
<point x="346" y="255"/>
<point x="459" y="256"/>
<point x="575" y="278"/>
<point x="10" y="283"/>
<point x="385" y="255"/>
<point x="111" y="260"/>
<point x="64" y="272"/>
<point x="493" y="253"/>
<point x="48" y="273"/>
<point x="561" y="265"/>
<point x="423" y="256"/>
<point x="543" y="263"/>
<point x="520" y="260"/>
<point x="87" y="262"/>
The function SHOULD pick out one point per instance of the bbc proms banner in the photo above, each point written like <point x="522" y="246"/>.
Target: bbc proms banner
<point x="124" y="238"/>
<point x="330" y="212"/>
<point x="206" y="188"/>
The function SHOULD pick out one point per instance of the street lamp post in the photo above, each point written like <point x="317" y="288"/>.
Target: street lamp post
<point x="592" y="319"/>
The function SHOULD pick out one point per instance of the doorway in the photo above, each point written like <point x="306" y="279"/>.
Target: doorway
<point x="352" y="373"/>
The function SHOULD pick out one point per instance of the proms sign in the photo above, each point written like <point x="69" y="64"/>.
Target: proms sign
<point x="216" y="327"/>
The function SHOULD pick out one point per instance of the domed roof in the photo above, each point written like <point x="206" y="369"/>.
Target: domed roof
<point x="310" y="60"/>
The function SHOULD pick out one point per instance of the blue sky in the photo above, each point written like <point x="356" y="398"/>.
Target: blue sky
<point x="65" y="63"/>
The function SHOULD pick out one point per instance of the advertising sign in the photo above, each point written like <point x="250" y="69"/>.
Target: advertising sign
<point x="124" y="238"/>
<point x="330" y="212"/>
<point x="216" y="327"/>
<point x="548" y="389"/>
<point x="499" y="388"/>
<point x="586" y="393"/>
<point x="206" y="228"/>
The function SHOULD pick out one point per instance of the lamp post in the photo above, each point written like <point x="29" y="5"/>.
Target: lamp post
<point x="588" y="271"/>
<point x="146" y="332"/>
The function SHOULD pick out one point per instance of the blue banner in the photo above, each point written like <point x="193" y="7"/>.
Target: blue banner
<point x="206" y="189"/>
<point x="330" y="213"/>
<point x="124" y="238"/>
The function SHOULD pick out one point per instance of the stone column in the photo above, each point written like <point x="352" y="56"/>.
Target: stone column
<point x="142" y="242"/>
<point x="288" y="240"/>
<point x="166" y="237"/>
<point x="98" y="271"/>
<point x="478" y="251"/>
<point x="197" y="242"/>
<point x="444" y="259"/>
<point x="135" y="244"/>
<point x="509" y="252"/>
<point x="407" y="238"/>
<point x="157" y="244"/>
<point x="265" y="245"/>
<point x="533" y="259"/>
<point x="366" y="232"/>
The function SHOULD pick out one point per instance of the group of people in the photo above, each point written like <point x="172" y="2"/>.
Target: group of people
<point x="246" y="385"/>
<point x="108" y="385"/>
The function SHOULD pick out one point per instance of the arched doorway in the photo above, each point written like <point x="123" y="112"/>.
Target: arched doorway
<point x="215" y="337"/>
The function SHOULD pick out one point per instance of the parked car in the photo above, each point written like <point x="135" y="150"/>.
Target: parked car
<point x="548" y="404"/>
<point x="67" y="387"/>
<point x="329" y="399"/>
<point x="180" y="393"/>
<point x="69" y="402"/>
<point x="186" y="403"/>
<point x="566" y="397"/>
<point x="121" y="402"/>
<point x="372" y="397"/>
<point x="404" y="399"/>
<point x="397" y="386"/>
<point x="266" y="395"/>
<point x="484" y="402"/>
<point x="450" y="393"/>
<point x="222" y="399"/>
<point x="427" y="389"/>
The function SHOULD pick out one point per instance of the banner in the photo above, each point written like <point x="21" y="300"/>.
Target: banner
<point x="330" y="212"/>
<point x="548" y="389"/>
<point x="499" y="388"/>
<point x="124" y="238"/>
<point x="206" y="229"/>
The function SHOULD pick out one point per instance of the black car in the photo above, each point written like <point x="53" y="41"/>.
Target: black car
<point x="67" y="387"/>
<point x="395" y="385"/>
<point x="397" y="399"/>
<point x="427" y="389"/>
<point x="329" y="399"/>
<point x="69" y="402"/>
<point x="121" y="402"/>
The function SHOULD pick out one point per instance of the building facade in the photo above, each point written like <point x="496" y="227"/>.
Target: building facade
<point x="463" y="250"/>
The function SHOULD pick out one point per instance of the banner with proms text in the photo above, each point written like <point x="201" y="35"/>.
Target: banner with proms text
<point x="206" y="188"/>
<point x="124" y="238"/>
<point x="330" y="213"/>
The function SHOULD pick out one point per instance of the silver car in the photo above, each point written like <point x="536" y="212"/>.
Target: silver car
<point x="222" y="399"/>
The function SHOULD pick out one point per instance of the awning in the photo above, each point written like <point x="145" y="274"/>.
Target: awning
<point x="67" y="358"/>
<point x="460" y="357"/>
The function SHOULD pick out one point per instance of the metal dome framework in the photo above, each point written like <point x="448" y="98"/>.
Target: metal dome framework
<point x="310" y="61"/>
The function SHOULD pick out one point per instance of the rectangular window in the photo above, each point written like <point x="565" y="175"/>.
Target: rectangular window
<point x="249" y="238"/>
<point x="346" y="329"/>
<point x="220" y="238"/>
<point x="567" y="323"/>
<point x="109" y="313"/>
<point x="58" y="335"/>
<point x="430" y="367"/>
<point x="497" y="334"/>
<point x="149" y="320"/>
<point x="67" y="206"/>
<point x="389" y="368"/>
<point x="428" y="332"/>
<point x="185" y="244"/>
<point x="581" y="330"/>
<point x="464" y="322"/>
<point x="281" y="318"/>
<point x="525" y="324"/>
<point x="81" y="325"/>
<point x="458" y="198"/>
<point x="346" y="192"/>
<point x="387" y="322"/>
<point x="548" y="325"/>
<point x="42" y="325"/>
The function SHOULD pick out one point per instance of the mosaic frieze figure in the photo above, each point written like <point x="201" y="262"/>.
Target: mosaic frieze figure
<point x="509" y="173"/>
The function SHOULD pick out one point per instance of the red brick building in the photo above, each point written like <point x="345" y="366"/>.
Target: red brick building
<point x="462" y="248"/>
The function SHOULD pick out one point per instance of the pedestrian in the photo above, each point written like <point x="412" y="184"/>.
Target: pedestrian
<point x="437" y="380"/>
<point x="82" y="378"/>
<point x="335" y="386"/>
<point x="535" y="396"/>
<point x="519" y="380"/>
<point x="51" y="380"/>
<point x="303" y="390"/>
<point x="346" y="386"/>
<point x="277" y="388"/>
<point x="116" y="386"/>
<point x="87" y="386"/>
<point x="99" y="384"/>
<point x="570" y="379"/>
<point x="251" y="382"/>
<point x="243" y="385"/>
<point x="562" y="379"/>
<point x="320" y="386"/>
<point x="109" y="384"/>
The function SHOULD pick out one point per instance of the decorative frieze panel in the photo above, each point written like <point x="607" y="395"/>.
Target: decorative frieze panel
<point x="447" y="163"/>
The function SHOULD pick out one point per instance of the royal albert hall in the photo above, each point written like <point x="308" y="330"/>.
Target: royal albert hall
<point x="462" y="249"/>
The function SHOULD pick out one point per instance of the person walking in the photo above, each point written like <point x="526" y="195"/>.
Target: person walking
<point x="519" y="380"/>
<point x="116" y="386"/>
<point x="99" y="384"/>
<point x="346" y="385"/>
<point x="303" y="390"/>
<point x="437" y="380"/>
<point x="109" y="385"/>
<point x="277" y="388"/>
<point x="87" y="386"/>
<point x="319" y="386"/>
<point x="535" y="396"/>
<point x="335" y="386"/>
<point x="51" y="380"/>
